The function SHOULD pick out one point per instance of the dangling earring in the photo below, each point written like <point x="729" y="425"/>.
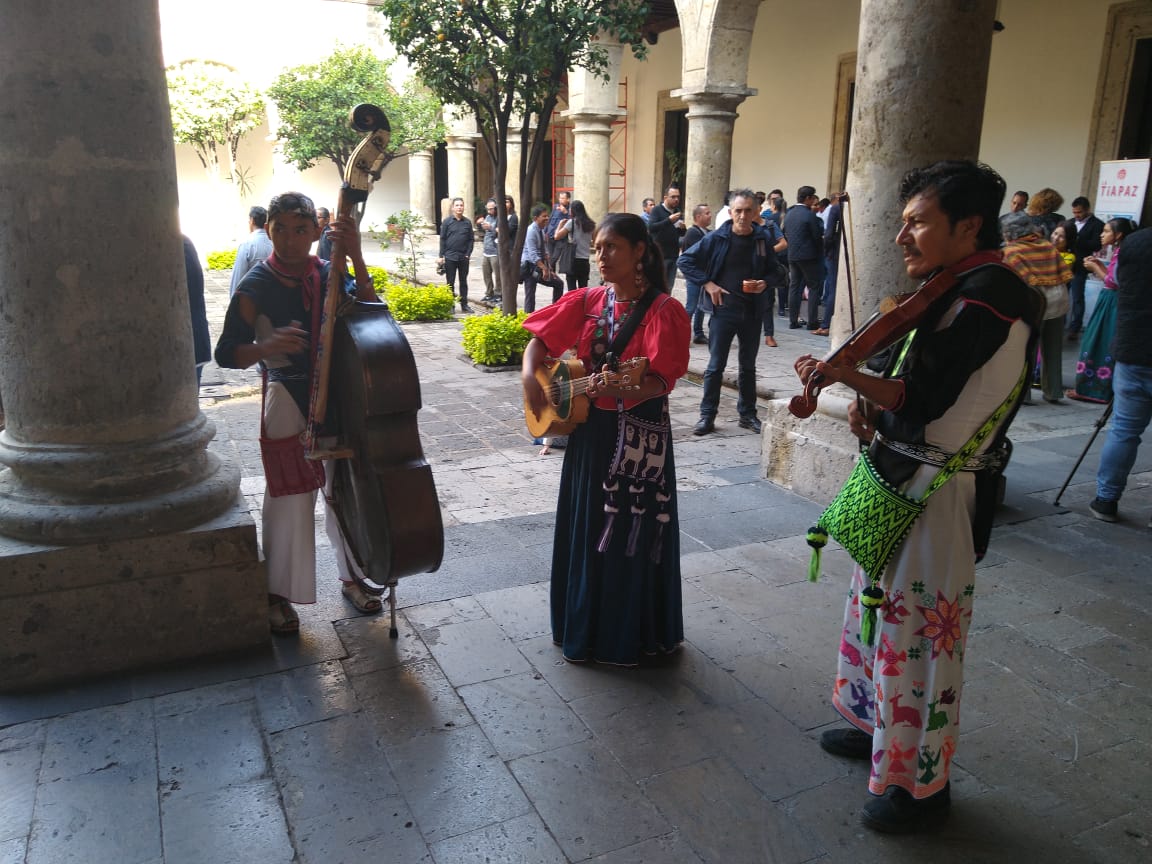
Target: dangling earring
<point x="641" y="284"/>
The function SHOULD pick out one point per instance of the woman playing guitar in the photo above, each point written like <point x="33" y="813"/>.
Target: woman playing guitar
<point x="616" y="554"/>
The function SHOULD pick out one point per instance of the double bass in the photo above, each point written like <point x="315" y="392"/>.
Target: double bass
<point x="362" y="417"/>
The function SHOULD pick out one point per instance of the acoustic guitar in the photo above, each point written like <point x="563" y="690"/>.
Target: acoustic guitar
<point x="566" y="386"/>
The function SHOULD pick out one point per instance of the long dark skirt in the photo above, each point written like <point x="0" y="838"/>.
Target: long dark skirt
<point x="610" y="607"/>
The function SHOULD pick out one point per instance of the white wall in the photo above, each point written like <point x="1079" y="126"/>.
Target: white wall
<point x="262" y="38"/>
<point x="1041" y="93"/>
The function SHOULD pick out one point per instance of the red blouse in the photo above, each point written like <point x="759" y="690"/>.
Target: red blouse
<point x="662" y="336"/>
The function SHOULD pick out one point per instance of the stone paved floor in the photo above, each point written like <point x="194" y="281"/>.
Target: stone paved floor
<point x="469" y="739"/>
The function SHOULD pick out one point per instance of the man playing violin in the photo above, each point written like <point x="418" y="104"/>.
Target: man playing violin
<point x="944" y="381"/>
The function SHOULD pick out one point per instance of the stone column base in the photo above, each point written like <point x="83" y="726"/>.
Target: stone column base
<point x="72" y="612"/>
<point x="812" y="457"/>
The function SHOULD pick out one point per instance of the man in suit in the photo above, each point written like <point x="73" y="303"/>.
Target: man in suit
<point x="805" y="234"/>
<point x="1088" y="229"/>
<point x="666" y="224"/>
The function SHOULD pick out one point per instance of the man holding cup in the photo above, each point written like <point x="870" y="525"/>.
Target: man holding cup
<point x="732" y="265"/>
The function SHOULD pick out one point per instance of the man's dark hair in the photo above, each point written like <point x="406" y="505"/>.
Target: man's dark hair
<point x="962" y="188"/>
<point x="1022" y="194"/>
<point x="259" y="216"/>
<point x="804" y="192"/>
<point x="538" y="209"/>
<point x="779" y="193"/>
<point x="1081" y="201"/>
<point x="824" y="202"/>
<point x="672" y="187"/>
<point x="292" y="202"/>
<point x="648" y="201"/>
<point x="741" y="193"/>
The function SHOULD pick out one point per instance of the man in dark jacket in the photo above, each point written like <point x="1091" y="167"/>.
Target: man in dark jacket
<point x="1132" y="375"/>
<point x="732" y="265"/>
<point x="1088" y="229"/>
<point x="457" y="238"/>
<point x="666" y="224"/>
<point x="805" y="234"/>
<point x="201" y="338"/>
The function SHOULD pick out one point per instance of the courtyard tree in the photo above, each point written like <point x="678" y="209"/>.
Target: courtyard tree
<point x="212" y="109"/>
<point x="313" y="103"/>
<point x="506" y="61"/>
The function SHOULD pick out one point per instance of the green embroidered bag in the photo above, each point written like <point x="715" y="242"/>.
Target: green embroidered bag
<point x="871" y="518"/>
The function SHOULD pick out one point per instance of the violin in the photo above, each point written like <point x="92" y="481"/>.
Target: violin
<point x="887" y="326"/>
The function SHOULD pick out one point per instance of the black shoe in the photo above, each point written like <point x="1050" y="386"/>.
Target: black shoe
<point x="752" y="423"/>
<point x="1105" y="511"/>
<point x="796" y="326"/>
<point x="464" y="307"/>
<point x="851" y="743"/>
<point x="705" y="426"/>
<point x="897" y="812"/>
<point x="699" y="339"/>
<point x="801" y="322"/>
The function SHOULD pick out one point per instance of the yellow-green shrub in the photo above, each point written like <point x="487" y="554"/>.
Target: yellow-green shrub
<point x="410" y="302"/>
<point x="492" y="339"/>
<point x="222" y="260"/>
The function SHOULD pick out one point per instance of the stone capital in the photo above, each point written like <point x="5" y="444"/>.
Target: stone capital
<point x="595" y="122"/>
<point x="713" y="101"/>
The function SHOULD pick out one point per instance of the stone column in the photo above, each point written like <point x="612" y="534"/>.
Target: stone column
<point x="593" y="108"/>
<point x="104" y="439"/>
<point x="921" y="78"/>
<point x="422" y="185"/>
<point x="711" y="118"/>
<point x="461" y="145"/>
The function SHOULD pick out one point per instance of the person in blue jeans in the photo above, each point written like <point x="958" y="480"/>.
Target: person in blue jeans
<point x="732" y="265"/>
<point x="701" y="219"/>
<point x="1131" y="377"/>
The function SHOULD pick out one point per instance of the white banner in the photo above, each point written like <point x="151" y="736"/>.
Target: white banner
<point x="1123" y="185"/>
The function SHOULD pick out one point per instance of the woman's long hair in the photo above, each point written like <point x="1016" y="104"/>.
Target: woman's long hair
<point x="631" y="227"/>
<point x="580" y="217"/>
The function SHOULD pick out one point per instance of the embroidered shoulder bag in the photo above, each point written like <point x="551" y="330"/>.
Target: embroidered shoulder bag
<point x="871" y="518"/>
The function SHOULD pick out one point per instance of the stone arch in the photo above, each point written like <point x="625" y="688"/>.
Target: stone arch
<point x="716" y="39"/>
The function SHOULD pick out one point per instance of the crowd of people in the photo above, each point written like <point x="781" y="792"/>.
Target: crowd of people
<point x="934" y="421"/>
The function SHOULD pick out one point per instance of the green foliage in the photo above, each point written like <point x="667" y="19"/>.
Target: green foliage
<point x="486" y="54"/>
<point x="212" y="109"/>
<point x="314" y="102"/>
<point x="225" y="260"/>
<point x="492" y="339"/>
<point x="406" y="223"/>
<point x="410" y="302"/>
<point x="379" y="276"/>
<point x="506" y="58"/>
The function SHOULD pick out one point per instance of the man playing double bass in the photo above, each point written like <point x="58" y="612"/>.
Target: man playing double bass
<point x="273" y="319"/>
<point x="946" y="381"/>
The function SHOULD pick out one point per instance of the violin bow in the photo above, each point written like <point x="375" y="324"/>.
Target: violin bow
<point x="849" y="246"/>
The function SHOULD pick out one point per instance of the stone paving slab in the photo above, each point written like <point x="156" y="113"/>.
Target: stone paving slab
<point x="470" y="739"/>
